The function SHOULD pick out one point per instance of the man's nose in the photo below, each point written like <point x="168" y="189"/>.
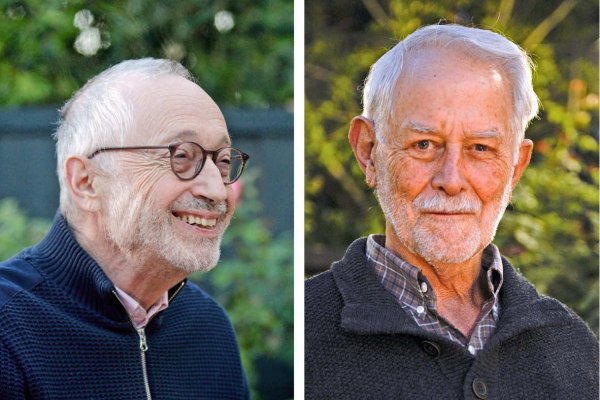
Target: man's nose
<point x="450" y="176"/>
<point x="209" y="183"/>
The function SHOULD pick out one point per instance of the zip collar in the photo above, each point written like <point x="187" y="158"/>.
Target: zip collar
<point x="60" y="258"/>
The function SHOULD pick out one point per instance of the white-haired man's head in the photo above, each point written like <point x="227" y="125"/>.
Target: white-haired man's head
<point x="120" y="186"/>
<point x="100" y="114"/>
<point x="381" y="84"/>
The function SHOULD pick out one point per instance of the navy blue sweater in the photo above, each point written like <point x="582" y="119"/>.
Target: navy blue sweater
<point x="360" y="344"/>
<point x="64" y="334"/>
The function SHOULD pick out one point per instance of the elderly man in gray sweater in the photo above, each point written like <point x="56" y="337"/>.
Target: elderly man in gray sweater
<point x="431" y="310"/>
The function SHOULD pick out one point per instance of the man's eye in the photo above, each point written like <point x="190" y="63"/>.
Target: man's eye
<point x="480" y="147"/>
<point x="423" y="144"/>
<point x="182" y="154"/>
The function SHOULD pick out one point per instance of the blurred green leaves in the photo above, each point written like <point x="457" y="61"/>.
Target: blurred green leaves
<point x="48" y="49"/>
<point x="17" y="231"/>
<point x="254" y="282"/>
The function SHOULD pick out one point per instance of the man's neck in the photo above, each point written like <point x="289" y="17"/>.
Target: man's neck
<point x="459" y="287"/>
<point x="142" y="276"/>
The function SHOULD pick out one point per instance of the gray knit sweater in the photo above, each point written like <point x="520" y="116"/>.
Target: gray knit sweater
<point x="360" y="344"/>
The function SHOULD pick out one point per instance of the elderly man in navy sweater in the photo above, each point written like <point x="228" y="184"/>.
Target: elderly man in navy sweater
<point x="101" y="308"/>
<point x="431" y="310"/>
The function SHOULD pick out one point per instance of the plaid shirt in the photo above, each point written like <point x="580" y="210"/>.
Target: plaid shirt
<point x="414" y="293"/>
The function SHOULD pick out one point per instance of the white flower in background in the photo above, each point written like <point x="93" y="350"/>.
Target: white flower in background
<point x="83" y="19"/>
<point x="224" y="21"/>
<point x="89" y="40"/>
<point x="174" y="51"/>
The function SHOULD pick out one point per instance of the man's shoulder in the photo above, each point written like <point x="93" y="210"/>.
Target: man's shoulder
<point x="322" y="292"/>
<point x="567" y="316"/>
<point x="17" y="275"/>
<point x="194" y="293"/>
<point x="355" y="253"/>
<point x="198" y="301"/>
<point x="523" y="306"/>
<point x="319" y="286"/>
<point x="317" y="283"/>
<point x="323" y="304"/>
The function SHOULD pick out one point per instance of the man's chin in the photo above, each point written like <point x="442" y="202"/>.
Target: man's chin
<point x="190" y="269"/>
<point x="446" y="250"/>
<point x="203" y="258"/>
<point x="449" y="257"/>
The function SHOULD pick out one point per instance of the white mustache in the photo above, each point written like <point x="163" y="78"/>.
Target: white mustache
<point x="197" y="204"/>
<point x="441" y="203"/>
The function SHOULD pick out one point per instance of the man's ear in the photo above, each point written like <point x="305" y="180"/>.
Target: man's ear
<point x="362" y="139"/>
<point x="80" y="182"/>
<point x="524" y="156"/>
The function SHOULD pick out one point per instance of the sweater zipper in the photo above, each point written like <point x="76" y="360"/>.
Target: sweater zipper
<point x="144" y="343"/>
<point x="143" y="349"/>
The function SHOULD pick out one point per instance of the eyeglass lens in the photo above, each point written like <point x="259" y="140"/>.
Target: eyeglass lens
<point x="187" y="159"/>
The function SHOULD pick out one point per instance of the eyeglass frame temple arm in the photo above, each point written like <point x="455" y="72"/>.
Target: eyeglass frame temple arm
<point x="103" y="149"/>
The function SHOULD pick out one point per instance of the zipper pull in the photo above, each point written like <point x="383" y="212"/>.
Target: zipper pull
<point x="143" y="343"/>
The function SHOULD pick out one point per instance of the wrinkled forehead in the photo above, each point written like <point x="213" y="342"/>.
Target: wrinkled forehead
<point x="171" y="108"/>
<point x="431" y="62"/>
<point x="438" y="76"/>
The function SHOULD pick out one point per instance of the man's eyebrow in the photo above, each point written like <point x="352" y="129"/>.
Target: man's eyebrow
<point x="225" y="141"/>
<point x="179" y="136"/>
<point x="417" y="127"/>
<point x="492" y="133"/>
<point x="191" y="136"/>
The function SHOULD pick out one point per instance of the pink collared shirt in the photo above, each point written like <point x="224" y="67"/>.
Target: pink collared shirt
<point x="139" y="316"/>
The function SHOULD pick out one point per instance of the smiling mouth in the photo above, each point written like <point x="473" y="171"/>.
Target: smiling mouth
<point x="449" y="214"/>
<point x="194" y="220"/>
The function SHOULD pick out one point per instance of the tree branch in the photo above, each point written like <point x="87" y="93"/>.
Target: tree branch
<point x="538" y="35"/>
<point x="377" y="12"/>
<point x="504" y="12"/>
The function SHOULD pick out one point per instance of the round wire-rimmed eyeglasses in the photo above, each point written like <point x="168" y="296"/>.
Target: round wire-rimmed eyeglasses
<point x="188" y="159"/>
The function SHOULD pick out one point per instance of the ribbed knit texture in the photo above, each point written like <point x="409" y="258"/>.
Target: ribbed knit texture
<point x="64" y="334"/>
<point x="359" y="344"/>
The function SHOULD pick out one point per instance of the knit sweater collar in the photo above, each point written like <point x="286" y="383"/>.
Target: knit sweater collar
<point x="370" y="309"/>
<point x="60" y="258"/>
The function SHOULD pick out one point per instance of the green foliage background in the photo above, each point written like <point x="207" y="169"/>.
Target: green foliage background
<point x="17" y="231"/>
<point x="551" y="229"/>
<point x="254" y="282"/>
<point x="247" y="64"/>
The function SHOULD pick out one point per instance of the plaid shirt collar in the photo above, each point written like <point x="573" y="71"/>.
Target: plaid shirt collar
<point x="416" y="296"/>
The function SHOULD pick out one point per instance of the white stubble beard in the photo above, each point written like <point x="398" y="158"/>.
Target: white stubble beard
<point x="436" y="245"/>
<point x="140" y="229"/>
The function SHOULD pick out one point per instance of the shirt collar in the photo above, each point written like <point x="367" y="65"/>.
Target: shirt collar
<point x="138" y="314"/>
<point x="60" y="258"/>
<point x="378" y="255"/>
<point x="370" y="309"/>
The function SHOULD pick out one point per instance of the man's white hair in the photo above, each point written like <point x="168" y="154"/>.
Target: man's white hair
<point x="380" y="86"/>
<point x="101" y="115"/>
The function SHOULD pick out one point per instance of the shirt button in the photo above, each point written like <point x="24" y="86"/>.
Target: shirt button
<point x="420" y="309"/>
<point x="431" y="348"/>
<point x="423" y="287"/>
<point x="480" y="388"/>
<point x="471" y="349"/>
